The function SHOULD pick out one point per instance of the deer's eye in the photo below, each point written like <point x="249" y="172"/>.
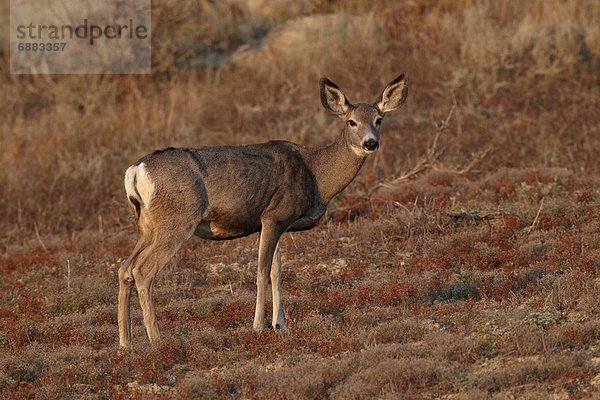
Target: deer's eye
<point x="352" y="123"/>
<point x="378" y="122"/>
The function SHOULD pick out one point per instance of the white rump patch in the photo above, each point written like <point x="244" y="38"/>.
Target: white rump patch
<point x="138" y="184"/>
<point x="130" y="181"/>
<point x="144" y="185"/>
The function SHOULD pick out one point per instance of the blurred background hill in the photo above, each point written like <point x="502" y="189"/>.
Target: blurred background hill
<point x="524" y="76"/>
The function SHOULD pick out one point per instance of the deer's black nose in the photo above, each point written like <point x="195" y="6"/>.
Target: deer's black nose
<point x="371" y="144"/>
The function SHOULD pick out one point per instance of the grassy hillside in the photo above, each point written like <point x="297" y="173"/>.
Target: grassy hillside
<point x="476" y="274"/>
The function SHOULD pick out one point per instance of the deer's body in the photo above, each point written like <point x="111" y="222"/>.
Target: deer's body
<point x="227" y="192"/>
<point x="215" y="183"/>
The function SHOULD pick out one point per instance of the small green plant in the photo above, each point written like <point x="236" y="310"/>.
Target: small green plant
<point x="544" y="319"/>
<point x="463" y="289"/>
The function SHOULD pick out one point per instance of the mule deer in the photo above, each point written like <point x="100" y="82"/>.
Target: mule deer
<point x="227" y="192"/>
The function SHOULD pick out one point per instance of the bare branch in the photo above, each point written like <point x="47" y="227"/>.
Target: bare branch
<point x="477" y="157"/>
<point x="529" y="229"/>
<point x="37" y="235"/>
<point x="430" y="161"/>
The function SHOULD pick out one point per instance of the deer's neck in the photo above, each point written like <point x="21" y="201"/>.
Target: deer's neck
<point x="335" y="166"/>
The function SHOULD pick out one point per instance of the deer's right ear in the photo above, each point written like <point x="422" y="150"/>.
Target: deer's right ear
<point x="333" y="98"/>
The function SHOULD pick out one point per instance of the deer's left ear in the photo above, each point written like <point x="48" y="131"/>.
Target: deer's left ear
<point x="394" y="94"/>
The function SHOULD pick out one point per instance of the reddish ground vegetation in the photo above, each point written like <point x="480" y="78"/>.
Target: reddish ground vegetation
<point x="477" y="276"/>
<point x="467" y="308"/>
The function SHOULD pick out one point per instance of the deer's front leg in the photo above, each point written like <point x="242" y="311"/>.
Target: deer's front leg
<point x="278" y="321"/>
<point x="269" y="236"/>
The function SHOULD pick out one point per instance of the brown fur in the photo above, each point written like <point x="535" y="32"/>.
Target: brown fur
<point x="228" y="192"/>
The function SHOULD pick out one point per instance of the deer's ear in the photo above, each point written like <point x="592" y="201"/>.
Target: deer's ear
<point x="394" y="94"/>
<point x="333" y="98"/>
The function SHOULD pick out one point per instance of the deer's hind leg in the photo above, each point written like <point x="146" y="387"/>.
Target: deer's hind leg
<point x="161" y="235"/>
<point x="157" y="255"/>
<point x="126" y="279"/>
<point x="125" y="288"/>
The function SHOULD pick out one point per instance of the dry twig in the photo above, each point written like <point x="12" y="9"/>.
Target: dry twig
<point x="39" y="238"/>
<point x="477" y="157"/>
<point x="530" y="228"/>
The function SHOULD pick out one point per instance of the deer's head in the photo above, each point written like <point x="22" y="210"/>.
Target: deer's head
<point x="363" y="121"/>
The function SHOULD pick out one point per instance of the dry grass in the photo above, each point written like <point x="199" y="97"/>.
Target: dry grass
<point x="395" y="295"/>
